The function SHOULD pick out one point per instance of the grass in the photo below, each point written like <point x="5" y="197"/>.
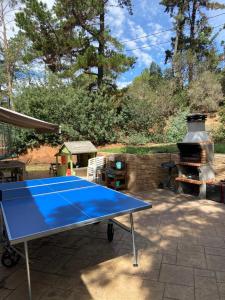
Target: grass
<point x="37" y="167"/>
<point x="219" y="148"/>
<point x="141" y="150"/>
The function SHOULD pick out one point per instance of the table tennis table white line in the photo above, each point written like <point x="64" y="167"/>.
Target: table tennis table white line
<point x="73" y="203"/>
<point x="50" y="193"/>
<point x="32" y="186"/>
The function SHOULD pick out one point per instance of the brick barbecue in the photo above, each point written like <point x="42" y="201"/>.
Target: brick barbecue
<point x="196" y="158"/>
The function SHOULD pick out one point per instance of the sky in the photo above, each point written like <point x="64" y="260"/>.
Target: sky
<point x="135" y="32"/>
<point x="148" y="18"/>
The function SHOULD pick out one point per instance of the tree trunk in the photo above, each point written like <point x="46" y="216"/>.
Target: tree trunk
<point x="177" y="46"/>
<point x="6" y="55"/>
<point x="192" y="40"/>
<point x="101" y="41"/>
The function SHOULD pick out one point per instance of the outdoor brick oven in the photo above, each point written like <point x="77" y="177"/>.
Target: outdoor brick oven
<point x="196" y="158"/>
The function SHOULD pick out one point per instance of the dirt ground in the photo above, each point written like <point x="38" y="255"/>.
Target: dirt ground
<point x="42" y="171"/>
<point x="37" y="171"/>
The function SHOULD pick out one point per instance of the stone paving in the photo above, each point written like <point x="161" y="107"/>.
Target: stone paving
<point x="181" y="243"/>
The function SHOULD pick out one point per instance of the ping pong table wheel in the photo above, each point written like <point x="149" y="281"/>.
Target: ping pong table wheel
<point x="110" y="232"/>
<point x="10" y="258"/>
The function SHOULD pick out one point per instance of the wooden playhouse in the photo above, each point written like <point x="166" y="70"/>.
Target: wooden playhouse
<point x="74" y="155"/>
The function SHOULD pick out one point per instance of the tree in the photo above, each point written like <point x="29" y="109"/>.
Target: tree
<point x="74" y="38"/>
<point x="205" y="94"/>
<point x="82" y="114"/>
<point x="159" y="92"/>
<point x="7" y="46"/>
<point x="193" y="33"/>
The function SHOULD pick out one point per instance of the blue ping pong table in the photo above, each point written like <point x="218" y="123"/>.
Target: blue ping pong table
<point x="41" y="207"/>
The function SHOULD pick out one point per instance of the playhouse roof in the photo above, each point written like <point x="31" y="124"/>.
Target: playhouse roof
<point x="79" y="147"/>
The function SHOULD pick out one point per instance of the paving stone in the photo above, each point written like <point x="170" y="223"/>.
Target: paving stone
<point x="179" y="292"/>
<point x="177" y="275"/>
<point x="203" y="294"/>
<point x="21" y="293"/>
<point x="189" y="240"/>
<point x="153" y="290"/>
<point x="221" y="287"/>
<point x="191" y="259"/>
<point x="204" y="273"/>
<point x="168" y="245"/>
<point x="216" y="263"/>
<point x="15" y="279"/>
<point x="56" y="294"/>
<point x="172" y="231"/>
<point x="4" y="293"/>
<point x="114" y="287"/>
<point x="188" y="247"/>
<point x="215" y="251"/>
<point x="148" y="265"/>
<point x="206" y="288"/>
<point x="73" y="265"/>
<point x="212" y="242"/>
<point x="220" y="230"/>
<point x="207" y="283"/>
<point x="169" y="259"/>
<point x="220" y="276"/>
<point x="79" y="294"/>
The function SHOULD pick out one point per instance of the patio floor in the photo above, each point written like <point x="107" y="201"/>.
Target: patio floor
<point x="181" y="244"/>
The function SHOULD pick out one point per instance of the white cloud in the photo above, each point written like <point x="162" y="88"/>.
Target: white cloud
<point x="49" y="3"/>
<point x="149" y="8"/>
<point x="143" y="58"/>
<point x="137" y="31"/>
<point x="116" y="20"/>
<point x="123" y="84"/>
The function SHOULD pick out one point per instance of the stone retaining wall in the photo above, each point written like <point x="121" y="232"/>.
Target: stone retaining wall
<point x="144" y="172"/>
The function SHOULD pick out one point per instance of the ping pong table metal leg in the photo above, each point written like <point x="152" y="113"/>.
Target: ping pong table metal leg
<point x="2" y="234"/>
<point x="28" y="269"/>
<point x="133" y="241"/>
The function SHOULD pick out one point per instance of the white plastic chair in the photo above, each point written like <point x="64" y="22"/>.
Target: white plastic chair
<point x="95" y="166"/>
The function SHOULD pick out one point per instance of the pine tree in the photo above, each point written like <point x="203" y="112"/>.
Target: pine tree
<point x="7" y="7"/>
<point x="194" y="35"/>
<point x="74" y="38"/>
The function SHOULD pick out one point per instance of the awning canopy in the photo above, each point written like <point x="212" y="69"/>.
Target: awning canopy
<point x="17" y="119"/>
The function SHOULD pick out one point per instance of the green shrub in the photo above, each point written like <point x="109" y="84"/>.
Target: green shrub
<point x="83" y="115"/>
<point x="218" y="134"/>
<point x="136" y="138"/>
<point x="177" y="127"/>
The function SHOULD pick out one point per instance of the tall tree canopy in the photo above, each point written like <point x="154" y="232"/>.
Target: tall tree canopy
<point x="194" y="35"/>
<point x="73" y="37"/>
<point x="10" y="48"/>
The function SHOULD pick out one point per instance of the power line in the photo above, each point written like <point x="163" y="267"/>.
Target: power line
<point x="144" y="36"/>
<point x="148" y="46"/>
<point x="219" y="26"/>
<point x="161" y="43"/>
<point x="215" y="16"/>
<point x="162" y="31"/>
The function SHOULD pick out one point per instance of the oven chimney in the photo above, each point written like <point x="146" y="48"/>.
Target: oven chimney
<point x="196" y="129"/>
<point x="196" y="122"/>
